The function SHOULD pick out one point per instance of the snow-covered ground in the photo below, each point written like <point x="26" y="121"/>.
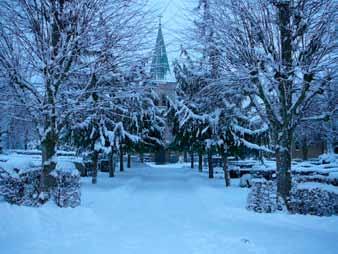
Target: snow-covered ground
<point x="160" y="210"/>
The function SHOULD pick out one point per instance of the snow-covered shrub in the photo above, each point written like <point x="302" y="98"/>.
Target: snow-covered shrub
<point x="11" y="188"/>
<point x="31" y="185"/>
<point x="20" y="188"/>
<point x="263" y="197"/>
<point x="245" y="181"/>
<point x="331" y="179"/>
<point x="306" y="198"/>
<point x="3" y="179"/>
<point x="67" y="192"/>
<point x="327" y="158"/>
<point x="315" y="199"/>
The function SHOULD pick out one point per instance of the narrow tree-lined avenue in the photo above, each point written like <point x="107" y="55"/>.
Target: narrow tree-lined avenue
<point x="166" y="209"/>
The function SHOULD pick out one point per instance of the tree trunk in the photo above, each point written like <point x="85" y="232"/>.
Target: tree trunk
<point x="25" y="140"/>
<point x="48" y="150"/>
<point x="192" y="159"/>
<point x="85" y="169"/>
<point x="185" y="155"/>
<point x="50" y="136"/>
<point x="283" y="134"/>
<point x="330" y="135"/>
<point x="305" y="150"/>
<point x="210" y="165"/>
<point x="225" y="168"/>
<point x="322" y="147"/>
<point x="121" y="159"/>
<point x="111" y="165"/>
<point x="129" y="161"/>
<point x="283" y="161"/>
<point x="200" y="162"/>
<point x="142" y="157"/>
<point x="48" y="147"/>
<point x="95" y="165"/>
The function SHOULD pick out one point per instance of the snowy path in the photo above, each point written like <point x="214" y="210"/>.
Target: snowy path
<point x="160" y="211"/>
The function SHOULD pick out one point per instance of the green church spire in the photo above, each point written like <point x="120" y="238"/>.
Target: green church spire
<point x="160" y="65"/>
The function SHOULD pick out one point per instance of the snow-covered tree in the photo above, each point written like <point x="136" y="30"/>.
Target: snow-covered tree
<point x="194" y="73"/>
<point x="328" y="103"/>
<point x="280" y="51"/>
<point x="212" y="116"/>
<point x="51" y="51"/>
<point x="119" y="114"/>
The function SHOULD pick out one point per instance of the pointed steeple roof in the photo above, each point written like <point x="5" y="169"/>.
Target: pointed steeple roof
<point x="160" y="65"/>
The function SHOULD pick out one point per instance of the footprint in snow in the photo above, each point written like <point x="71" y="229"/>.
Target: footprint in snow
<point x="244" y="240"/>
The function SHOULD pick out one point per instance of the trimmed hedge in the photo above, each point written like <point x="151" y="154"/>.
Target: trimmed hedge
<point x="306" y="198"/>
<point x="67" y="192"/>
<point x="20" y="189"/>
<point x="263" y="197"/>
<point x="315" y="199"/>
<point x="23" y="188"/>
<point x="326" y="179"/>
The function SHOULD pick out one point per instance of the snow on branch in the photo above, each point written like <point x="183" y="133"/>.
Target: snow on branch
<point x="255" y="146"/>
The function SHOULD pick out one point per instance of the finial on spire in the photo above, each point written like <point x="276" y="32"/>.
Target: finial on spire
<point x="160" y="65"/>
<point x="160" y="19"/>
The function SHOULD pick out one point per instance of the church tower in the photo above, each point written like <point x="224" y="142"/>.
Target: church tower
<point x="160" y="69"/>
<point x="165" y="87"/>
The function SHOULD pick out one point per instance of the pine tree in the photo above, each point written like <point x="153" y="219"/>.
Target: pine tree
<point x="210" y="116"/>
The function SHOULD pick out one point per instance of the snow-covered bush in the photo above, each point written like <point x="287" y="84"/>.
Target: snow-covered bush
<point x="31" y="185"/>
<point x="306" y="198"/>
<point x="245" y="181"/>
<point x="10" y="187"/>
<point x="315" y="199"/>
<point x="20" y="188"/>
<point x="263" y="197"/>
<point x="327" y="158"/>
<point x="331" y="179"/>
<point x="67" y="192"/>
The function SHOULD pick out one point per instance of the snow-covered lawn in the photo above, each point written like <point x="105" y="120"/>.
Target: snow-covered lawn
<point x="159" y="210"/>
